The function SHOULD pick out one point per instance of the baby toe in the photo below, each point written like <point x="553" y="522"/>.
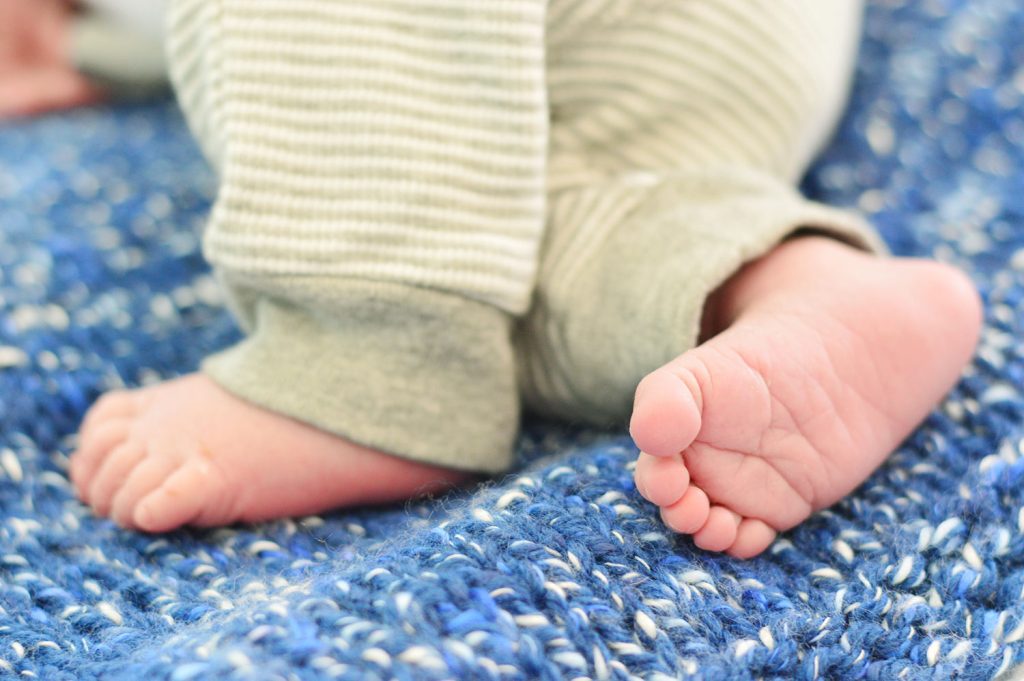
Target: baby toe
<point x="666" y="416"/>
<point x="112" y="474"/>
<point x="144" y="478"/>
<point x="193" y="494"/>
<point x="689" y="514"/>
<point x="661" y="480"/>
<point x="719" y="532"/>
<point x="116" y="404"/>
<point x="92" y="451"/>
<point x="752" y="537"/>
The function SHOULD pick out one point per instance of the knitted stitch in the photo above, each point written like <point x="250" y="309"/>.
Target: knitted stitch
<point x="561" y="570"/>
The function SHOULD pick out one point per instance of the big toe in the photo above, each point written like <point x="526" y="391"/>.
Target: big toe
<point x="112" y="474"/>
<point x="116" y="404"/>
<point x="94" y="447"/>
<point x="666" y="413"/>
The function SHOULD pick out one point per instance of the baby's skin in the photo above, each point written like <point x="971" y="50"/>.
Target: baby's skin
<point x="818" y="360"/>
<point x="36" y="70"/>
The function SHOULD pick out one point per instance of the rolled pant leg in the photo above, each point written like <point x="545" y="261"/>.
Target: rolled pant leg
<point x="679" y="130"/>
<point x="382" y="169"/>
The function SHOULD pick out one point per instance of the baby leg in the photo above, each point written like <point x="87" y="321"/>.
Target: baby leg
<point x="819" y="358"/>
<point x="377" y="227"/>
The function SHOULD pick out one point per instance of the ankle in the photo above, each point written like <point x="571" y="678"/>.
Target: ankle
<point x="792" y="262"/>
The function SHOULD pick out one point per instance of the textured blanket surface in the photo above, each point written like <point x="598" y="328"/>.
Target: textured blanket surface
<point x="559" y="570"/>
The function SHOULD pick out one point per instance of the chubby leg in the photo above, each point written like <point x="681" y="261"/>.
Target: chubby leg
<point x="821" y="360"/>
<point x="382" y="174"/>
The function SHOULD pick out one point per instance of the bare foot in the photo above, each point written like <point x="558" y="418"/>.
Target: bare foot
<point x="829" y="359"/>
<point x="188" y="452"/>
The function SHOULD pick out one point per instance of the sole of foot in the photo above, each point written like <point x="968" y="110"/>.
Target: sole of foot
<point x="827" y="359"/>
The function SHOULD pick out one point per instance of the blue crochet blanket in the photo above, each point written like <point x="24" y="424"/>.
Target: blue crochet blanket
<point x="559" y="570"/>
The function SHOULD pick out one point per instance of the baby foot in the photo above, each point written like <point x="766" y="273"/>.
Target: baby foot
<point x="188" y="452"/>
<point x="830" y="359"/>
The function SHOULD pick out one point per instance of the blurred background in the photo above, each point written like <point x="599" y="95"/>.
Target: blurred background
<point x="58" y="54"/>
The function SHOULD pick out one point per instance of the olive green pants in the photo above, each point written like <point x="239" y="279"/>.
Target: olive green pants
<point x="432" y="212"/>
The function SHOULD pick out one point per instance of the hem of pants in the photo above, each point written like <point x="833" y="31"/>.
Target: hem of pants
<point x="416" y="373"/>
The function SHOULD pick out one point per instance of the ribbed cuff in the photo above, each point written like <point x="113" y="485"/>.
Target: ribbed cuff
<point x="417" y="373"/>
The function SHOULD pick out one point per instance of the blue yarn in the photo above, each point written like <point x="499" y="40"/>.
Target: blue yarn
<point x="559" y="570"/>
